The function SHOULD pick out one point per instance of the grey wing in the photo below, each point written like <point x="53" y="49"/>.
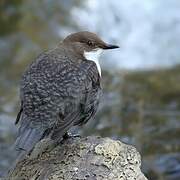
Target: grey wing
<point x="85" y="102"/>
<point x="91" y="105"/>
<point x="40" y="101"/>
<point x="71" y="111"/>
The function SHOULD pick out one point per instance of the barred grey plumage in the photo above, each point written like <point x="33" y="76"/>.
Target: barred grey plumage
<point x="60" y="89"/>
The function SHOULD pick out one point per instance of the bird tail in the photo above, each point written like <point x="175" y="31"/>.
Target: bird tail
<point x="25" y="142"/>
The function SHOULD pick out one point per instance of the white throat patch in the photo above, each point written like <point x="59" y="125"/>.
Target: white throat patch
<point x="94" y="56"/>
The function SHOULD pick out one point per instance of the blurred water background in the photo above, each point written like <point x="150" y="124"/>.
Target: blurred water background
<point x="141" y="101"/>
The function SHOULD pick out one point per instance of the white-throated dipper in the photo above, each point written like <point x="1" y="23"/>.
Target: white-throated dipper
<point x="60" y="89"/>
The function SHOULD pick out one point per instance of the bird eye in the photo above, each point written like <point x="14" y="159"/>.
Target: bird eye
<point x="90" y="43"/>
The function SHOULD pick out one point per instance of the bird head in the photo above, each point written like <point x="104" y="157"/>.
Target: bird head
<point x="87" y="44"/>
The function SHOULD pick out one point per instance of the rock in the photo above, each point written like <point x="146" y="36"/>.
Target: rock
<point x="90" y="158"/>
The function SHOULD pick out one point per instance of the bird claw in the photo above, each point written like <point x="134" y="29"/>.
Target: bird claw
<point x="70" y="135"/>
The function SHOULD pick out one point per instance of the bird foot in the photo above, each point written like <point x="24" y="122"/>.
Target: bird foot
<point x="70" y="135"/>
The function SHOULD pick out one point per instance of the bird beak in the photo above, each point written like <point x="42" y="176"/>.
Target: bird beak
<point x="110" y="46"/>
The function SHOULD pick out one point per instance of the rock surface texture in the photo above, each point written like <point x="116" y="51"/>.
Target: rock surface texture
<point x="90" y="158"/>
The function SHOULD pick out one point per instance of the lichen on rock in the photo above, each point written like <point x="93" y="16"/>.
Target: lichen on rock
<point x="89" y="158"/>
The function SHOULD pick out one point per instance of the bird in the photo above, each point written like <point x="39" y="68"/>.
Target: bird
<point x="60" y="89"/>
